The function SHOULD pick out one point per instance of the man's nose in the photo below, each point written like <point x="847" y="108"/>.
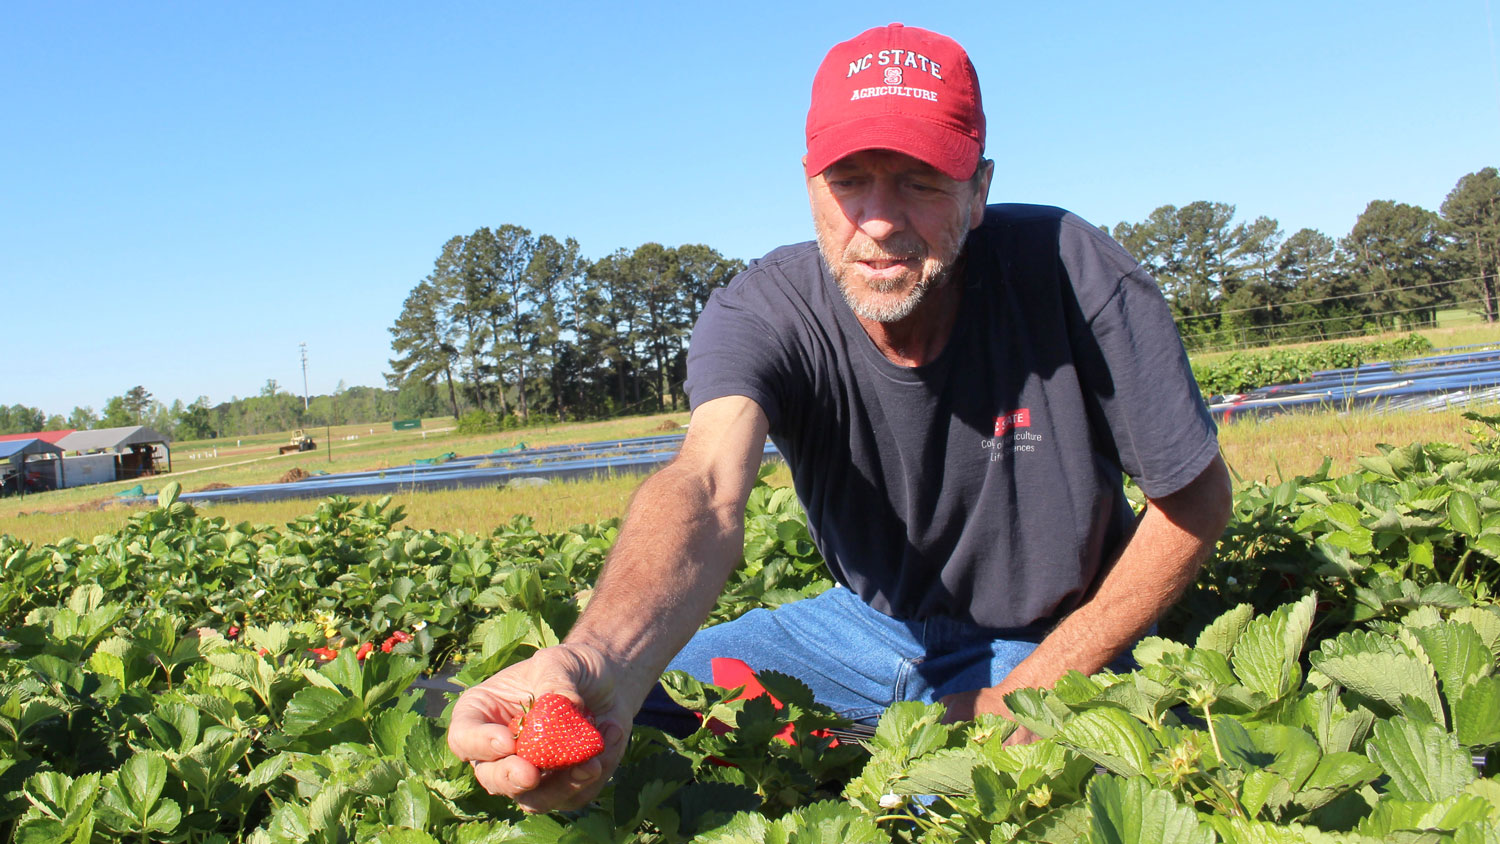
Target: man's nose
<point x="882" y="213"/>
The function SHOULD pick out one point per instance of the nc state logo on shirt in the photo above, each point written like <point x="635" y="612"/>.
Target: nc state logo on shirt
<point x="893" y="76"/>
<point x="1019" y="419"/>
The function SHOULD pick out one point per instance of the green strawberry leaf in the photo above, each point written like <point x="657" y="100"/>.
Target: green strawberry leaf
<point x="1132" y="812"/>
<point x="1457" y="653"/>
<point x="1336" y="774"/>
<point x="1267" y="655"/>
<point x="1112" y="738"/>
<point x="1226" y="630"/>
<point x="942" y="772"/>
<point x="1476" y="716"/>
<point x="1463" y="513"/>
<point x="409" y="805"/>
<point x="1378" y="668"/>
<point x="316" y="709"/>
<point x="1423" y="761"/>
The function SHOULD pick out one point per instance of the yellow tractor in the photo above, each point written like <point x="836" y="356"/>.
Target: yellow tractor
<point x="299" y="442"/>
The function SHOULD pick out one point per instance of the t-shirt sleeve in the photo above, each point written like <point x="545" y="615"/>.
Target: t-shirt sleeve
<point x="734" y="351"/>
<point x="1133" y="362"/>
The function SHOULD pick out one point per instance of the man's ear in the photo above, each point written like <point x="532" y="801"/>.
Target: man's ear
<point x="981" y="196"/>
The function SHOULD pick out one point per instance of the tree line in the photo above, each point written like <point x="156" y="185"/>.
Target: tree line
<point x="510" y="324"/>
<point x="1234" y="284"/>
<point x="273" y="409"/>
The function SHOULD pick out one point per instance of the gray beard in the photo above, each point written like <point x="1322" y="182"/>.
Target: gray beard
<point x="889" y="311"/>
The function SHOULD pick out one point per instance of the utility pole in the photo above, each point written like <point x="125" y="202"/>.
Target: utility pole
<point x="304" y="376"/>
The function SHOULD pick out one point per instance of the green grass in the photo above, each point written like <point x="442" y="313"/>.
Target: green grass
<point x="87" y="511"/>
<point x="1291" y="444"/>
<point x="1256" y="450"/>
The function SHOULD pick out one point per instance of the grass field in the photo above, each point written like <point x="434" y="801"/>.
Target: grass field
<point x="1256" y="450"/>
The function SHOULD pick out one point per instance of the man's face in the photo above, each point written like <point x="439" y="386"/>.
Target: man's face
<point x="891" y="228"/>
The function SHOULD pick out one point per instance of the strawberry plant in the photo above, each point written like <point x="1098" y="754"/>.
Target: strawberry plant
<point x="1241" y="372"/>
<point x="1334" y="675"/>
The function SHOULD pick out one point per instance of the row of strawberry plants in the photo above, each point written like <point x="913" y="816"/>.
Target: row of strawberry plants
<point x="188" y="680"/>
<point x="363" y="580"/>
<point x="1227" y="739"/>
<point x="1241" y="372"/>
<point x="127" y="712"/>
<point x="1414" y="524"/>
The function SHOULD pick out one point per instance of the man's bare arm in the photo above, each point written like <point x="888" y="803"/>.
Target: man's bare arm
<point x="683" y="536"/>
<point x="1172" y="539"/>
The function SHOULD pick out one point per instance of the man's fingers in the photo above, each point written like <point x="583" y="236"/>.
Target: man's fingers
<point x="474" y="733"/>
<point x="568" y="788"/>
<point x="510" y="776"/>
<point x="537" y="791"/>
<point x="959" y="706"/>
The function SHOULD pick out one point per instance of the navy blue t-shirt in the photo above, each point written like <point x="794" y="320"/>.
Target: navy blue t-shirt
<point x="985" y="485"/>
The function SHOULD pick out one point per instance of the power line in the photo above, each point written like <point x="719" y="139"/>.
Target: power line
<point x="1392" y="312"/>
<point x="1327" y="335"/>
<point x="1356" y="295"/>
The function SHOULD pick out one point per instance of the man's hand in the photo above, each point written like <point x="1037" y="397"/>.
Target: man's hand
<point x="964" y="706"/>
<point x="682" y="536"/>
<point x="1159" y="560"/>
<point x="479" y="732"/>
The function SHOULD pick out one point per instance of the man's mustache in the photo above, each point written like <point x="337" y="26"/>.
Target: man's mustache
<point x="887" y="251"/>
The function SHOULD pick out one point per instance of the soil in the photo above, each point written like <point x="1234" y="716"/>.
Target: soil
<point x="213" y="486"/>
<point x="667" y="425"/>
<point x="109" y="502"/>
<point x="294" y="474"/>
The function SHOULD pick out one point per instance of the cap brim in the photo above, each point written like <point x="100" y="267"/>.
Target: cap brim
<point x="950" y="152"/>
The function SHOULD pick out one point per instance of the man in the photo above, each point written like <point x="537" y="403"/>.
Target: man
<point x="957" y="390"/>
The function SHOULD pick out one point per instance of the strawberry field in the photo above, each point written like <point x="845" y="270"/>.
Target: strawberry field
<point x="1332" y="676"/>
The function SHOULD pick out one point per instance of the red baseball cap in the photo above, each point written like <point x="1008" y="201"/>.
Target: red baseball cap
<point x="898" y="88"/>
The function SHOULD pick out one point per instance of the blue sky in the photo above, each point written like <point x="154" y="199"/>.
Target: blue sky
<point x="190" y="190"/>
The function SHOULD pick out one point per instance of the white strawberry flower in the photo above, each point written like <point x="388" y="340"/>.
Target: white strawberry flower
<point x="891" y="801"/>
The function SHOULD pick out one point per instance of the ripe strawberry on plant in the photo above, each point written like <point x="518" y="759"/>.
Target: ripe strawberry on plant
<point x="395" y="639"/>
<point x="555" y="733"/>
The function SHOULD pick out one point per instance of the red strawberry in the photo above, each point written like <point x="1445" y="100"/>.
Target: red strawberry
<point x="364" y="650"/>
<point x="555" y="733"/>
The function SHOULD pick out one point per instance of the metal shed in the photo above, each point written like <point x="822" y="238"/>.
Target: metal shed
<point x="44" y="436"/>
<point x="133" y="445"/>
<point x="13" y="454"/>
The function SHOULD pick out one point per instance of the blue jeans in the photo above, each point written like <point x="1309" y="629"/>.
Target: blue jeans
<point x="857" y="661"/>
